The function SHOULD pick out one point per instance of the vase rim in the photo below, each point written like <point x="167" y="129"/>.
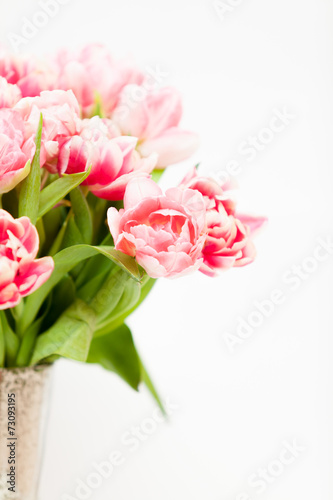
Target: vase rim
<point x="24" y="368"/>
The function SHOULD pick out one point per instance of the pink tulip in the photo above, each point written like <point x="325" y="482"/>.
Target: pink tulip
<point x="165" y="233"/>
<point x="20" y="272"/>
<point x="213" y="193"/>
<point x="92" y="71"/>
<point x="60" y="111"/>
<point x="11" y="67"/>
<point x="9" y="94"/>
<point x="113" y="158"/>
<point x="15" y="151"/>
<point x="228" y="242"/>
<point x="30" y="74"/>
<point x="154" y="119"/>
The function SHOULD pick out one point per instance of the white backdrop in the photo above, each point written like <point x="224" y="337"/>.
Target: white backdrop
<point x="233" y="414"/>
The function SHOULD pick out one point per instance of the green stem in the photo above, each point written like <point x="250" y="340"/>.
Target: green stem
<point x="17" y="311"/>
<point x="58" y="241"/>
<point x="27" y="346"/>
<point x="11" y="341"/>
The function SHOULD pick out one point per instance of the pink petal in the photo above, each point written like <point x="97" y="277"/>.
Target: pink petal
<point x="253" y="222"/>
<point x="172" y="146"/>
<point x="138" y="189"/>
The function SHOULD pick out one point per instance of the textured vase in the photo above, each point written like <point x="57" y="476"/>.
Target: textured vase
<point x="22" y="441"/>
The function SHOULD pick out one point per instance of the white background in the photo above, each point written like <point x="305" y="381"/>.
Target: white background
<point x="234" y="410"/>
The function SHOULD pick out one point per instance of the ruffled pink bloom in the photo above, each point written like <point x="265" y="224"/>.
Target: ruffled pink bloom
<point x="30" y="74"/>
<point x="164" y="232"/>
<point x="9" y="94"/>
<point x="214" y="194"/>
<point x="229" y="239"/>
<point x="92" y="71"/>
<point x="113" y="158"/>
<point x="155" y="121"/>
<point x="15" y="151"/>
<point x="20" y="272"/>
<point x="60" y="111"/>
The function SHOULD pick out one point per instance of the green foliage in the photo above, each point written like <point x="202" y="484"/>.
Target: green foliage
<point x="116" y="352"/>
<point x="65" y="261"/>
<point x="69" y="337"/>
<point x="57" y="190"/>
<point x="30" y="188"/>
<point x="79" y="312"/>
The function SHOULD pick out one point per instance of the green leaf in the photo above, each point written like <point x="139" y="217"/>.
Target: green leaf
<point x="88" y="291"/>
<point x="64" y="262"/>
<point x="72" y="235"/>
<point x="29" y="338"/>
<point x="82" y="215"/>
<point x="27" y="344"/>
<point x="119" y="319"/>
<point x="128" y="294"/>
<point x="12" y="346"/>
<point x="126" y="262"/>
<point x="110" y="292"/>
<point x="62" y="296"/>
<point x="30" y="188"/>
<point x="150" y="386"/>
<point x="10" y="341"/>
<point x="98" y="208"/>
<point x="69" y="337"/>
<point x="52" y="222"/>
<point x="57" y="190"/>
<point x="116" y="352"/>
<point x="157" y="174"/>
<point x="98" y="106"/>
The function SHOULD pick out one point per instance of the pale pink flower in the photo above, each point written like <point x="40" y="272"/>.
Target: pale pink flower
<point x="20" y="272"/>
<point x="9" y="94"/>
<point x="60" y="111"/>
<point x="30" y="74"/>
<point x="229" y="239"/>
<point x="164" y="232"/>
<point x="15" y="150"/>
<point x="92" y="71"/>
<point x="155" y="119"/>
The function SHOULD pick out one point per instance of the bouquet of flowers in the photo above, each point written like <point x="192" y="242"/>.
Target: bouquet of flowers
<point x="85" y="230"/>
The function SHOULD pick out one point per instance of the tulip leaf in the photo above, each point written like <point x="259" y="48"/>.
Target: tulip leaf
<point x="110" y="292"/>
<point x="64" y="262"/>
<point x="157" y="174"/>
<point x="30" y="188"/>
<point x="128" y="299"/>
<point x="69" y="337"/>
<point x="118" y="316"/>
<point x="63" y="295"/>
<point x="72" y="235"/>
<point x="151" y="388"/>
<point x="28" y="341"/>
<point x="58" y="189"/>
<point x="82" y="215"/>
<point x="90" y="288"/>
<point x="116" y="352"/>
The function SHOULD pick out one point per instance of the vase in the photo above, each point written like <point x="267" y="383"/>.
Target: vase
<point x="23" y="413"/>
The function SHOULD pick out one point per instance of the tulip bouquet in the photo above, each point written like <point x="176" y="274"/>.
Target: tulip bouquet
<point x="85" y="230"/>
